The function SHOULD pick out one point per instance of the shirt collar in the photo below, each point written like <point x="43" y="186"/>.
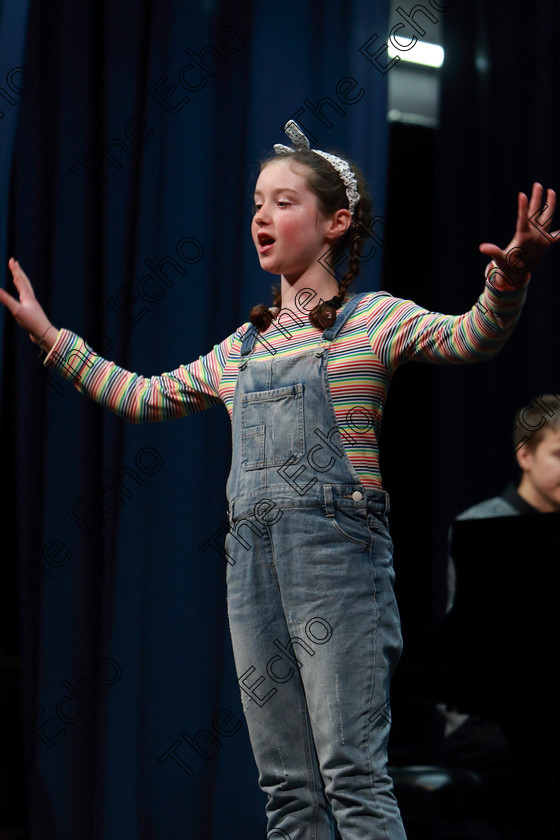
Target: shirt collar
<point x="511" y="495"/>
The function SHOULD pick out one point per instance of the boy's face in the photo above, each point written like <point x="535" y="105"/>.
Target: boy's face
<point x="540" y="481"/>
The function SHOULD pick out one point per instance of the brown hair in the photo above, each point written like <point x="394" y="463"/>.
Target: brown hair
<point x="535" y="421"/>
<point x="325" y="182"/>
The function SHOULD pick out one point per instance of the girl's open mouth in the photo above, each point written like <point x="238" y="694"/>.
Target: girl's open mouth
<point x="265" y="243"/>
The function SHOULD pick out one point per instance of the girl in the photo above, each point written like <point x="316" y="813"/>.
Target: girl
<point x="313" y="617"/>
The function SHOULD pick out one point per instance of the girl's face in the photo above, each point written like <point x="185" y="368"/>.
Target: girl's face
<point x="289" y="230"/>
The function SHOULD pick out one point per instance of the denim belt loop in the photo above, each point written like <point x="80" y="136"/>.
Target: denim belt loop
<point x="387" y="505"/>
<point x="329" y="503"/>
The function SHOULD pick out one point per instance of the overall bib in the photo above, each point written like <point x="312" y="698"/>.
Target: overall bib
<point x="313" y="617"/>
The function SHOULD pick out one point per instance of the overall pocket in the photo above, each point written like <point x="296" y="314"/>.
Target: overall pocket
<point x="272" y="427"/>
<point x="351" y="525"/>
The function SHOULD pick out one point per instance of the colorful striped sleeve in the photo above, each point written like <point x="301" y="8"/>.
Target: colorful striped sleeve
<point x="401" y="331"/>
<point x="185" y="390"/>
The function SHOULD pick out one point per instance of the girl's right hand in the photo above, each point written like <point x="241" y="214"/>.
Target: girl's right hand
<point x="27" y="311"/>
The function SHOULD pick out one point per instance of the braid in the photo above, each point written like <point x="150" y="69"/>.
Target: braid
<point x="358" y="235"/>
<point x="262" y="315"/>
<point x="324" y="315"/>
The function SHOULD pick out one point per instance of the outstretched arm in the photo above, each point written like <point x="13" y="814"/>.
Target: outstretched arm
<point x="414" y="333"/>
<point x="27" y="311"/>
<point x="531" y="240"/>
<point x="189" y="388"/>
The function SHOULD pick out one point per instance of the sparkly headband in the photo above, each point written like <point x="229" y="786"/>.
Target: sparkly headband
<point x="301" y="143"/>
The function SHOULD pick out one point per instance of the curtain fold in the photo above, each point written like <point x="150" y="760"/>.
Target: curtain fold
<point x="129" y="207"/>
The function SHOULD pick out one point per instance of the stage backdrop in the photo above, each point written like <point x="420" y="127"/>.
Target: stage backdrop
<point x="139" y="131"/>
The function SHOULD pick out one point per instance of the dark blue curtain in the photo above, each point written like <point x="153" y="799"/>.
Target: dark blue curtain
<point x="129" y="206"/>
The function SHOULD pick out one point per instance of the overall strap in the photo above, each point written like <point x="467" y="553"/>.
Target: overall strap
<point x="331" y="332"/>
<point x="248" y="340"/>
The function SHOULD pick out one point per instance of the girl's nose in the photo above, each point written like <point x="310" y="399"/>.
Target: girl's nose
<point x="261" y="215"/>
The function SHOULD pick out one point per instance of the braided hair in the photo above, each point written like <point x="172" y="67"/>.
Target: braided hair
<point x="324" y="181"/>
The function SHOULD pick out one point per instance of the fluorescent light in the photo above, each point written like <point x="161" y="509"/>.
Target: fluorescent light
<point x="431" y="55"/>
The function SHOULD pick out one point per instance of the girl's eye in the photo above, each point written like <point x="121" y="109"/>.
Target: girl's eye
<point x="256" y="207"/>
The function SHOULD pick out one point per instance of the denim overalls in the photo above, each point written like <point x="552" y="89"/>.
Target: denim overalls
<point x="313" y="617"/>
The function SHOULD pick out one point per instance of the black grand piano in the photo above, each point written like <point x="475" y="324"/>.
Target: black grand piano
<point x="496" y="653"/>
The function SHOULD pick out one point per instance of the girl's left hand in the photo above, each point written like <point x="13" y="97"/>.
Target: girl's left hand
<point x="531" y="240"/>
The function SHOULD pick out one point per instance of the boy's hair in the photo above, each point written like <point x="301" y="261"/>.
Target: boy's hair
<point x="323" y="180"/>
<point x="532" y="422"/>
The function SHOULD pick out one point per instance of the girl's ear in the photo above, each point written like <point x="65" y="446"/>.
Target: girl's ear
<point x="339" y="223"/>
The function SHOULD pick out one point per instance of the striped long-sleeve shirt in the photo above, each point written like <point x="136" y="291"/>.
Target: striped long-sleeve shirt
<point x="383" y="333"/>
